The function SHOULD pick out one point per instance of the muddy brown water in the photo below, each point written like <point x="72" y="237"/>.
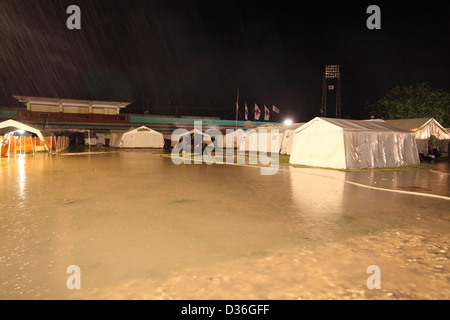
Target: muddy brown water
<point x="140" y="227"/>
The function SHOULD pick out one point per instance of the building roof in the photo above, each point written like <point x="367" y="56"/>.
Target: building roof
<point x="71" y="102"/>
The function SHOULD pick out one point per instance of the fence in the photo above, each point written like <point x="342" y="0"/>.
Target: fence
<point x="22" y="145"/>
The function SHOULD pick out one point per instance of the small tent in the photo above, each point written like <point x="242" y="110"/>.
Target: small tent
<point x="424" y="129"/>
<point x="266" y="137"/>
<point x="12" y="125"/>
<point x="196" y="136"/>
<point x="352" y="144"/>
<point x="141" y="137"/>
<point x="20" y="138"/>
<point x="175" y="138"/>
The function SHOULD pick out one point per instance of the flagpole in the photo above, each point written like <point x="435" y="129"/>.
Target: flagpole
<point x="237" y="106"/>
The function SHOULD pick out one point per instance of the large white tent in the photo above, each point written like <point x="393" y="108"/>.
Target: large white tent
<point x="423" y="130"/>
<point x="352" y="144"/>
<point x="141" y="137"/>
<point x="265" y="137"/>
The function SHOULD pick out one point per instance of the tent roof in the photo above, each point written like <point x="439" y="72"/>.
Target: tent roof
<point x="279" y="127"/>
<point x="194" y="131"/>
<point x="353" y="125"/>
<point x="10" y="125"/>
<point x="142" y="128"/>
<point x="413" y="124"/>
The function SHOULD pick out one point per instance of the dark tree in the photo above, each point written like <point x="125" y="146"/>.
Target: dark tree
<point x="415" y="101"/>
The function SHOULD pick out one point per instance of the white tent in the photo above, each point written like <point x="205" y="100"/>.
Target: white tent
<point x="116" y="138"/>
<point x="262" y="138"/>
<point x="12" y="125"/>
<point x="288" y="139"/>
<point x="233" y="139"/>
<point x="141" y="137"/>
<point x="352" y="144"/>
<point x="423" y="130"/>
<point x="176" y="138"/>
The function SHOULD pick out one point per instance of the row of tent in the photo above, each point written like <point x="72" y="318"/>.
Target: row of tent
<point x="322" y="142"/>
<point x="252" y="140"/>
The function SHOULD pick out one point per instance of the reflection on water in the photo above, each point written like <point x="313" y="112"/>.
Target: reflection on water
<point x="21" y="178"/>
<point x="318" y="195"/>
<point x="434" y="181"/>
<point x="134" y="216"/>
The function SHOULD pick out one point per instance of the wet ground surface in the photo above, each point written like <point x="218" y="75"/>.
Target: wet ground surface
<point x="140" y="227"/>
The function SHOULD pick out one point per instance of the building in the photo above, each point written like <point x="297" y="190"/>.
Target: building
<point x="84" y="118"/>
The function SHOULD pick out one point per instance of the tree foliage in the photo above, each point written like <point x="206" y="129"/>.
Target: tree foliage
<point x="415" y="101"/>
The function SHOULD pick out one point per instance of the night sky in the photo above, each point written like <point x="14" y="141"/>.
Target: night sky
<point x="195" y="54"/>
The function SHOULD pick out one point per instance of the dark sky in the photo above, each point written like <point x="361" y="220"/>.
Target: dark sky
<point x="197" y="53"/>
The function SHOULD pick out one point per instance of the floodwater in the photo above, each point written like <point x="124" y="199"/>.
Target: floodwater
<point x="140" y="227"/>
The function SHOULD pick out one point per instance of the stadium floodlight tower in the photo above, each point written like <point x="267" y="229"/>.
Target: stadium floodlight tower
<point x="331" y="91"/>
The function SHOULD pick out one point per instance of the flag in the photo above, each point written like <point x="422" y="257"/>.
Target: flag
<point x="266" y="113"/>
<point x="246" y="112"/>
<point x="275" y="109"/>
<point x="257" y="112"/>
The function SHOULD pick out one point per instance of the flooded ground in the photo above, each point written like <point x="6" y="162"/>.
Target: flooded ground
<point x="140" y="227"/>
